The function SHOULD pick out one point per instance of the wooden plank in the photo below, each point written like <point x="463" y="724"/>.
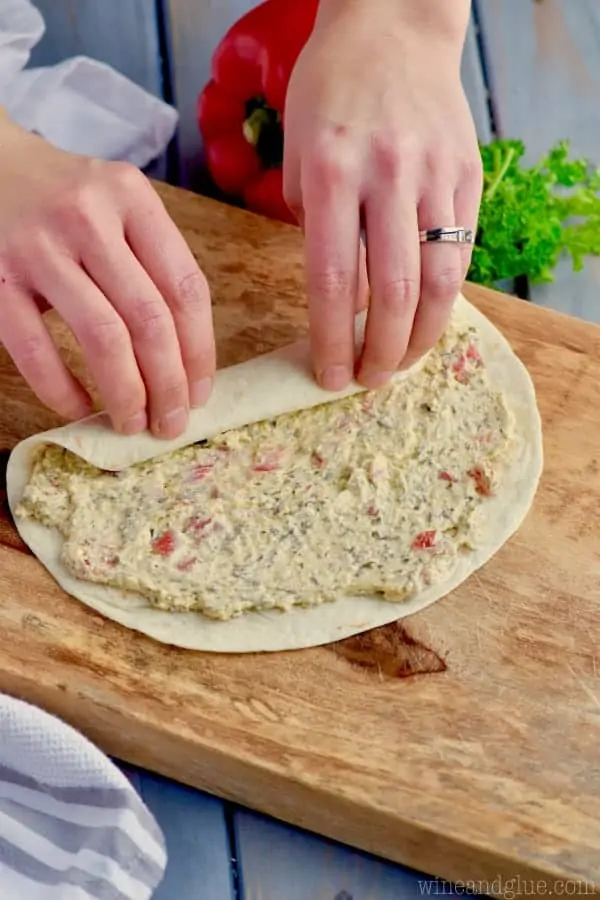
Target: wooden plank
<point x="122" y="34"/>
<point x="543" y="63"/>
<point x="194" y="29"/>
<point x="500" y="777"/>
<point x="276" y="862"/>
<point x="199" y="865"/>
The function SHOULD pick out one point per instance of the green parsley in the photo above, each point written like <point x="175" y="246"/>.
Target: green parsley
<point x="530" y="216"/>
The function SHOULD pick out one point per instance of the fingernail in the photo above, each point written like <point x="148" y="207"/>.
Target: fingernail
<point x="200" y="392"/>
<point x="135" y="424"/>
<point x="335" y="378"/>
<point x="373" y="378"/>
<point x="173" y="423"/>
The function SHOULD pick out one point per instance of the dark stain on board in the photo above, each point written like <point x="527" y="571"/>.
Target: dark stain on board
<point x="391" y="652"/>
<point x="8" y="533"/>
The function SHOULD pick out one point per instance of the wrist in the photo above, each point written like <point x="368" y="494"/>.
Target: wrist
<point x="14" y="138"/>
<point x="428" y="20"/>
<point x="9" y="130"/>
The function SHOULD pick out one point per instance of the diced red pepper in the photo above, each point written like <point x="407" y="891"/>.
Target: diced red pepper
<point x="269" y="461"/>
<point x="459" y="369"/>
<point x="474" y="354"/>
<point x="372" y="511"/>
<point x="459" y="365"/>
<point x="164" y="544"/>
<point x="196" y="525"/>
<point x="200" y="471"/>
<point x="446" y="476"/>
<point x="318" y="461"/>
<point x="482" y="482"/>
<point x="186" y="564"/>
<point x="424" y="541"/>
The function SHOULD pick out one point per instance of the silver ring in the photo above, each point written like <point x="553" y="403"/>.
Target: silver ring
<point x="442" y="235"/>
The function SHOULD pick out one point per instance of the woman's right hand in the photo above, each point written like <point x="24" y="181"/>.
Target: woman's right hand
<point x="93" y="240"/>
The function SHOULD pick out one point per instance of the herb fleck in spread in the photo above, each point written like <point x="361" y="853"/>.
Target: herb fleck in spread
<point x="378" y="493"/>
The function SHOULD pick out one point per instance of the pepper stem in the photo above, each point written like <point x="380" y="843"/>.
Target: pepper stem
<point x="254" y="124"/>
<point x="263" y="131"/>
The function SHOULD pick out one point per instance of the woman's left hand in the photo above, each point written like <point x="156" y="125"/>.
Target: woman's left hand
<point x="379" y="132"/>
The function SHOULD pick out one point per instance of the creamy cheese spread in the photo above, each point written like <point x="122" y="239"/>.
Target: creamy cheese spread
<point x="375" y="494"/>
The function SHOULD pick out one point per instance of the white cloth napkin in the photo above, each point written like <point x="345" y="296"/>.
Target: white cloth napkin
<point x="71" y="825"/>
<point x="80" y="105"/>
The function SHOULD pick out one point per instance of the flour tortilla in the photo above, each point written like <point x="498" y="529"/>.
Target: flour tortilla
<point x="262" y="388"/>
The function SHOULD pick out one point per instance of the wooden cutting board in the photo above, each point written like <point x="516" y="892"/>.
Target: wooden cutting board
<point x="464" y="742"/>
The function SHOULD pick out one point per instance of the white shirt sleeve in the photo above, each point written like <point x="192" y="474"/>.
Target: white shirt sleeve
<point x="80" y="105"/>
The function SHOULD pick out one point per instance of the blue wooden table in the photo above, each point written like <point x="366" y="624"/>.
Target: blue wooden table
<point x="531" y="70"/>
<point x="218" y="851"/>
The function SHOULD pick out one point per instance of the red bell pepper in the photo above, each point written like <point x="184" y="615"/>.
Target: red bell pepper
<point x="240" y="110"/>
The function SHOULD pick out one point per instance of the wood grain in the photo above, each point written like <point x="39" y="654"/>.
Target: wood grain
<point x="483" y="764"/>
<point x="543" y="65"/>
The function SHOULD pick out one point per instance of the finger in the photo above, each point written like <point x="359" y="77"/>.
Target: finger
<point x="394" y="272"/>
<point x="27" y="340"/>
<point x="102" y="336"/>
<point x="442" y="269"/>
<point x="152" y="329"/>
<point x="331" y="236"/>
<point x="163" y="253"/>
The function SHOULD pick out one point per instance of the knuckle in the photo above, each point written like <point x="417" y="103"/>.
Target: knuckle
<point x="149" y="322"/>
<point x="29" y="354"/>
<point x="76" y="209"/>
<point x="396" y="296"/>
<point x="331" y="286"/>
<point x="25" y="245"/>
<point x="391" y="158"/>
<point x="103" y="337"/>
<point x="127" y="177"/>
<point x="332" y="169"/>
<point x="471" y="169"/>
<point x="191" y="291"/>
<point x="442" y="284"/>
